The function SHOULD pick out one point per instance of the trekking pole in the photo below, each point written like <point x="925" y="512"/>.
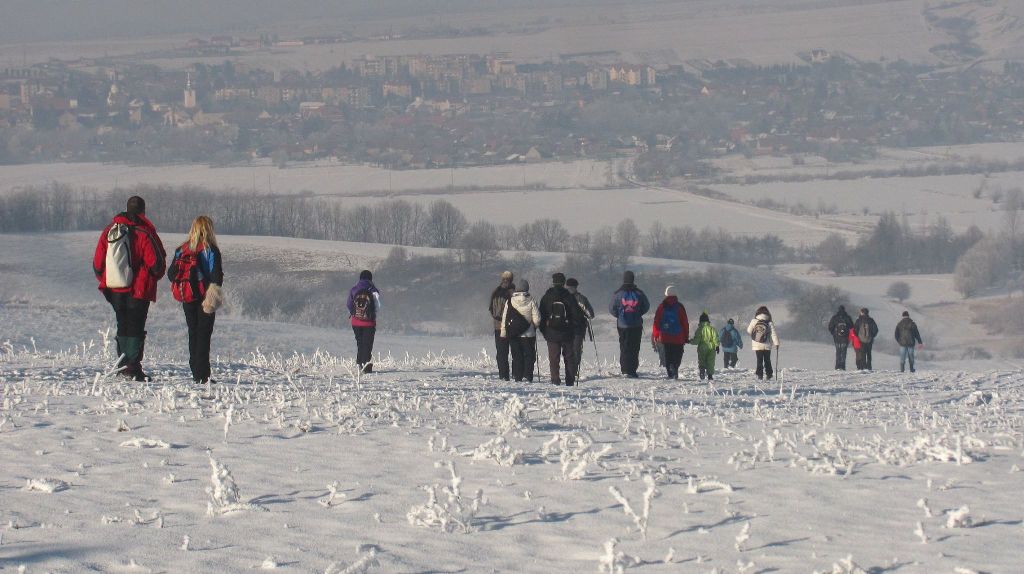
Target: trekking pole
<point x="777" y="367"/>
<point x="597" y="356"/>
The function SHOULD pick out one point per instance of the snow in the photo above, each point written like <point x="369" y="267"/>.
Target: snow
<point x="833" y="466"/>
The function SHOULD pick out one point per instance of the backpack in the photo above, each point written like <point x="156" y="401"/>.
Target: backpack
<point x="727" y="340"/>
<point x="188" y="284"/>
<point x="515" y="323"/>
<point x="365" y="309"/>
<point x="670" y="321"/>
<point x="864" y="332"/>
<point x="843" y="330"/>
<point x="760" y="332"/>
<point x="118" y="273"/>
<point x="630" y="311"/>
<point x="558" y="318"/>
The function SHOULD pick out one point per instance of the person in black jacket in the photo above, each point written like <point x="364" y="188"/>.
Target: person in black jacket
<point x="866" y="330"/>
<point x="560" y="315"/>
<point x="499" y="299"/>
<point x="907" y="336"/>
<point x="840" y="327"/>
<point x="587" y="311"/>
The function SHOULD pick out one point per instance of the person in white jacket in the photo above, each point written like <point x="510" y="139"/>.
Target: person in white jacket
<point x="763" y="336"/>
<point x="523" y="345"/>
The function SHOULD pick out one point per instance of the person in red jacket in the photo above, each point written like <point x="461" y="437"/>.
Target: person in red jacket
<point x="128" y="277"/>
<point x="671" y="329"/>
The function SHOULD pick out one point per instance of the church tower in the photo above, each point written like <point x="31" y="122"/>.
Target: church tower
<point x="190" y="93"/>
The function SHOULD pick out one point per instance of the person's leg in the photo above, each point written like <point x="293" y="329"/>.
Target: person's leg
<point x="577" y="352"/>
<point x="502" y="351"/>
<point x="709" y="362"/>
<point x="192" y="322"/>
<point x="673" y="358"/>
<point x="364" y="347"/>
<point x="903" y="358"/>
<point x="759" y="356"/>
<point x="204" y="330"/>
<point x="768" y="372"/>
<point x="136" y="313"/>
<point x="357" y="332"/>
<point x="636" y="335"/>
<point x="910" y="357"/>
<point x="529" y="350"/>
<point x="859" y="354"/>
<point x="623" y="351"/>
<point x="515" y="345"/>
<point x="867" y="355"/>
<point x="554" y="352"/>
<point x="569" y="354"/>
<point x="839" y="357"/>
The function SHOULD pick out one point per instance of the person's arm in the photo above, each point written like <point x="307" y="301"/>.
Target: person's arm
<point x="750" y="327"/>
<point x="645" y="303"/>
<point x="350" y="304"/>
<point x="615" y="305"/>
<point x="589" y="308"/>
<point x="534" y="313"/>
<point x="655" y="327"/>
<point x="99" y="258"/>
<point x="917" y="335"/>
<point x="376" y="302"/>
<point x="172" y="269"/>
<point x="775" y="334"/>
<point x="504" y="316"/>
<point x="874" y="329"/>
<point x="216" y="267"/>
<point x="684" y="322"/>
<point x="739" y="340"/>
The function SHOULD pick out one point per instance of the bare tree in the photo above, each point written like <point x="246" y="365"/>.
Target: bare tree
<point x="899" y="290"/>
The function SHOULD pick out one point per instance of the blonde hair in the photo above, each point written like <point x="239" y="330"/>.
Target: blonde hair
<point x="201" y="233"/>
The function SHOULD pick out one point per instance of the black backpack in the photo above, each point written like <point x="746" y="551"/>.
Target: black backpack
<point x="365" y="307"/>
<point x="843" y="330"/>
<point x="727" y="341"/>
<point x="558" y="316"/>
<point x="515" y="323"/>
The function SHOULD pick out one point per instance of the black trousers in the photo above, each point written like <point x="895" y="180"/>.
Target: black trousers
<point x="200" y="330"/>
<point x="577" y="351"/>
<point x="729" y="360"/>
<point x="673" y="358"/>
<point x="364" y="345"/>
<point x="524" y="355"/>
<point x="764" y="364"/>
<point x="629" y="349"/>
<point x="565" y="349"/>
<point x="501" y="347"/>
<point x="131" y="313"/>
<point x="864" y="356"/>
<point x="841" y="349"/>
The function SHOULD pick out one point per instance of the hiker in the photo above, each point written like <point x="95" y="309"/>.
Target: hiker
<point x="671" y="331"/>
<point x="197" y="274"/>
<point x="763" y="336"/>
<point x="706" y="339"/>
<point x="559" y="317"/>
<point x="572" y="285"/>
<point x="499" y="299"/>
<point x="519" y="322"/>
<point x="907" y="336"/>
<point x="628" y="306"/>
<point x="731" y="342"/>
<point x="363" y="309"/>
<point x="840" y="326"/>
<point x="128" y="262"/>
<point x="865" y="330"/>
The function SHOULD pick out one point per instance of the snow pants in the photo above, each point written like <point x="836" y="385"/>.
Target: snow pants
<point x="764" y="364"/>
<point x="706" y="362"/>
<point x="841" y="349"/>
<point x="501" y="348"/>
<point x="200" y="331"/>
<point x="131" y="315"/>
<point x="565" y="350"/>
<point x="524" y="354"/>
<point x="629" y="349"/>
<point x="729" y="359"/>
<point x="673" y="358"/>
<point x="364" y="347"/>
<point x="577" y="351"/>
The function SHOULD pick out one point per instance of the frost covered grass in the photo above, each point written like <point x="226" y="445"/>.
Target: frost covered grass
<point x="430" y="466"/>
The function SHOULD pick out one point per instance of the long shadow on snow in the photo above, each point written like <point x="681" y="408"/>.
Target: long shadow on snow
<point x="723" y="522"/>
<point x="503" y="522"/>
<point x="28" y="553"/>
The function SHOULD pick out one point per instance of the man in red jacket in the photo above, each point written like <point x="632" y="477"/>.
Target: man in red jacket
<point x="671" y="329"/>
<point x="127" y="278"/>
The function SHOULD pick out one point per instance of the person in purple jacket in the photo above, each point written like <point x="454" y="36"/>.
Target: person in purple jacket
<point x="363" y="308"/>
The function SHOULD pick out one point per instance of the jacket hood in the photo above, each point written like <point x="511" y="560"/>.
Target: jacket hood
<point x="134" y="219"/>
<point x="763" y="317"/>
<point x="670" y="300"/>
<point x="363" y="284"/>
<point x="521" y="297"/>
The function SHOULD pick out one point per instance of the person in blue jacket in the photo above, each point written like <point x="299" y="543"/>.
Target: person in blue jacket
<point x="628" y="306"/>
<point x="731" y="342"/>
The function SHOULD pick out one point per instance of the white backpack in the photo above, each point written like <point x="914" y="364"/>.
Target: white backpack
<point x="118" y="267"/>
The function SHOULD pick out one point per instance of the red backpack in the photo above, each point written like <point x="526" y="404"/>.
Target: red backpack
<point x="187" y="281"/>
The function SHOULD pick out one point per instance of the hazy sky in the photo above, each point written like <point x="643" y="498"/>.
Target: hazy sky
<point x="56" y="20"/>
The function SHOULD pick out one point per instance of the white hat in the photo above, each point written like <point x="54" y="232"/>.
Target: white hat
<point x="670" y="290"/>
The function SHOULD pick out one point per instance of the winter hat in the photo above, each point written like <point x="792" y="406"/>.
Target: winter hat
<point x="704" y="318"/>
<point x="572" y="282"/>
<point x="506" y="276"/>
<point x="906" y="313"/>
<point x="731" y="321"/>
<point x="842" y="309"/>
<point x="864" y="310"/>
<point x="136" y="205"/>
<point x="558" y="279"/>
<point x="366" y="275"/>
<point x="670" y="291"/>
<point x="524" y="286"/>
<point x="628" y="278"/>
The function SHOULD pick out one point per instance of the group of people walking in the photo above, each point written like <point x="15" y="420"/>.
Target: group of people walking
<point x="861" y="335"/>
<point x="130" y="259"/>
<point x="564" y="318"/>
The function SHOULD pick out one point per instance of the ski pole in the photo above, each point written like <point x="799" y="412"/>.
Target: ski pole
<point x="597" y="356"/>
<point x="777" y="367"/>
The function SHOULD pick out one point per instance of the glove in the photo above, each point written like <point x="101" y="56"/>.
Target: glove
<point x="717" y="350"/>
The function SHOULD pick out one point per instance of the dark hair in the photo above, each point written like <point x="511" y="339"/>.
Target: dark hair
<point x="136" y="205"/>
<point x="366" y="274"/>
<point x="906" y="313"/>
<point x="762" y="310"/>
<point x="572" y="282"/>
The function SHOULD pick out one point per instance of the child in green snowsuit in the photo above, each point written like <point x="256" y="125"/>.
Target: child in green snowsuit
<point x="706" y="340"/>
